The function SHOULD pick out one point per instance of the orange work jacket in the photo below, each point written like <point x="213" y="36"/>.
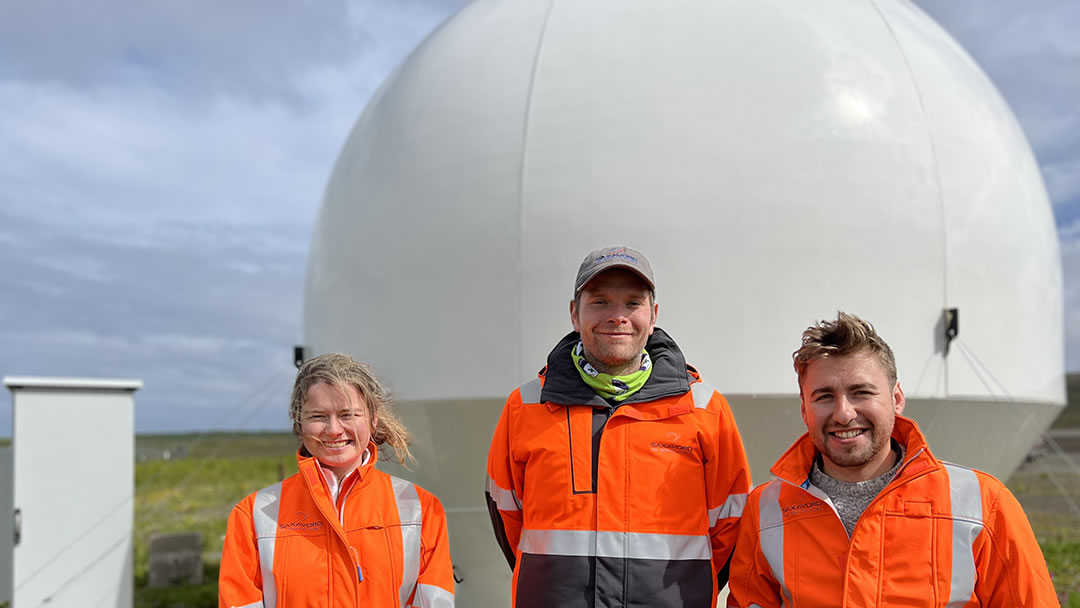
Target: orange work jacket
<point x="645" y="515"/>
<point x="937" y="535"/>
<point x="288" y="546"/>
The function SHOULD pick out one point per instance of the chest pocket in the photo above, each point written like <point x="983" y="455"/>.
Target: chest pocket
<point x="300" y="546"/>
<point x="374" y="552"/>
<point x="910" y="551"/>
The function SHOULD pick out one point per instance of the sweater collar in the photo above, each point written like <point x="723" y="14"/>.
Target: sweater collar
<point x="794" y="465"/>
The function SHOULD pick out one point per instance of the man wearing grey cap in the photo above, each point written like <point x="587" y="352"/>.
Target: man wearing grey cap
<point x="617" y="477"/>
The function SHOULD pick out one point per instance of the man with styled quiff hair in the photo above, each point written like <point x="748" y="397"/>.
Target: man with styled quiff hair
<point x="860" y="513"/>
<point x="846" y="335"/>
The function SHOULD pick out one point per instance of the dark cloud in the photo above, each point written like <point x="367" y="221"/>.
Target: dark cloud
<point x="245" y="47"/>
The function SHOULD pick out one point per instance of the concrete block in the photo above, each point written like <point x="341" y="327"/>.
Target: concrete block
<point x="175" y="559"/>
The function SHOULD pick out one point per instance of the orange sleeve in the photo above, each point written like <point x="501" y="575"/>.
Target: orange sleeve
<point x="751" y="582"/>
<point x="239" y="580"/>
<point x="1011" y="569"/>
<point x="435" y="582"/>
<point x="727" y="475"/>
<point x="503" y="486"/>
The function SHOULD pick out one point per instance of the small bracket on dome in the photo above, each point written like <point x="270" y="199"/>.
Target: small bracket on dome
<point x="952" y="326"/>
<point x="300" y="354"/>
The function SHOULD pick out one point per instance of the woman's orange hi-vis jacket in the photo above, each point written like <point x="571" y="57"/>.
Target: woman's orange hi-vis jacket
<point x="938" y="535"/>
<point x="636" y="505"/>
<point x="287" y="546"/>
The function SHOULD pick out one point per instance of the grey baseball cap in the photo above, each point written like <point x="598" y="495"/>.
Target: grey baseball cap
<point x="614" y="257"/>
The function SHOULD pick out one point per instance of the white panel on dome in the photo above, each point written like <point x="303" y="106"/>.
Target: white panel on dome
<point x="421" y="217"/>
<point x="1004" y="272"/>
<point x="761" y="154"/>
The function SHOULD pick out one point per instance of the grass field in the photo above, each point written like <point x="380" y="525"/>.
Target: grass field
<point x="193" y="491"/>
<point x="204" y="476"/>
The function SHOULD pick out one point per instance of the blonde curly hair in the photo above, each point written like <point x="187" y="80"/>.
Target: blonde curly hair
<point x="341" y="370"/>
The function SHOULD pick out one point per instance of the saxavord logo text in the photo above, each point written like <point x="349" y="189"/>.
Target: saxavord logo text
<point x="804" y="507"/>
<point x="300" y="524"/>
<point x="670" y="445"/>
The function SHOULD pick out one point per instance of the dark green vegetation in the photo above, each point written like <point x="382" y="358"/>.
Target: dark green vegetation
<point x="205" y="475"/>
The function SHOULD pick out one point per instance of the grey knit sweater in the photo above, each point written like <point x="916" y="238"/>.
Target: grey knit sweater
<point x="852" y="498"/>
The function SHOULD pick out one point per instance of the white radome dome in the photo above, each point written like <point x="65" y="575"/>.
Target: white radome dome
<point x="776" y="161"/>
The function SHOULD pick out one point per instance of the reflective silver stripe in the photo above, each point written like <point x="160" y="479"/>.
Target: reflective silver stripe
<point x="558" y="542"/>
<point x="264" y="514"/>
<point x="636" y="545"/>
<point x="412" y="521"/>
<point x="772" y="533"/>
<point x="432" y="596"/>
<point x="505" y="499"/>
<point x="732" y="507"/>
<point x="253" y="605"/>
<point x="966" y="506"/>
<point x="702" y="394"/>
<point x="632" y="545"/>
<point x="530" y="391"/>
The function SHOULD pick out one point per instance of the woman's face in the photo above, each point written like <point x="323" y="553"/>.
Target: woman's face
<point x="335" y="426"/>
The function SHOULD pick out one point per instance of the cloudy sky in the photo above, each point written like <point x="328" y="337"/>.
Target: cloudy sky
<point x="161" y="164"/>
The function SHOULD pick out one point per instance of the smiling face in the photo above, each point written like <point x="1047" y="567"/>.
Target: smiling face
<point x="615" y="315"/>
<point x="335" y="426"/>
<point x="849" y="406"/>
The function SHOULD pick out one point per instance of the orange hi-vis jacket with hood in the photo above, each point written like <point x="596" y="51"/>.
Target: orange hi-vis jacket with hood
<point x="384" y="544"/>
<point x="601" y="506"/>
<point x="937" y="535"/>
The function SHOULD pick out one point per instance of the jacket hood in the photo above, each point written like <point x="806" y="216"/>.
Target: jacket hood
<point x="670" y="374"/>
<point x="794" y="466"/>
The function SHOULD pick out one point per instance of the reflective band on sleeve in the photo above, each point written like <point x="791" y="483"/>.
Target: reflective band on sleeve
<point x="412" y="521"/>
<point x="253" y="605"/>
<point x="505" y="499"/>
<point x="966" y="507"/>
<point x="530" y="391"/>
<point x="625" y="545"/>
<point x="264" y="513"/>
<point x="732" y="507"/>
<point x="432" y="596"/>
<point x="772" y="533"/>
<point x="702" y="394"/>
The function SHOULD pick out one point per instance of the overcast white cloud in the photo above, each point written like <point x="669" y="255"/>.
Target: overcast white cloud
<point x="160" y="170"/>
<point x="161" y="164"/>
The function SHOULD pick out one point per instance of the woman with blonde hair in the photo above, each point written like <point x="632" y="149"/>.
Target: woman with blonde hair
<point x="340" y="532"/>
